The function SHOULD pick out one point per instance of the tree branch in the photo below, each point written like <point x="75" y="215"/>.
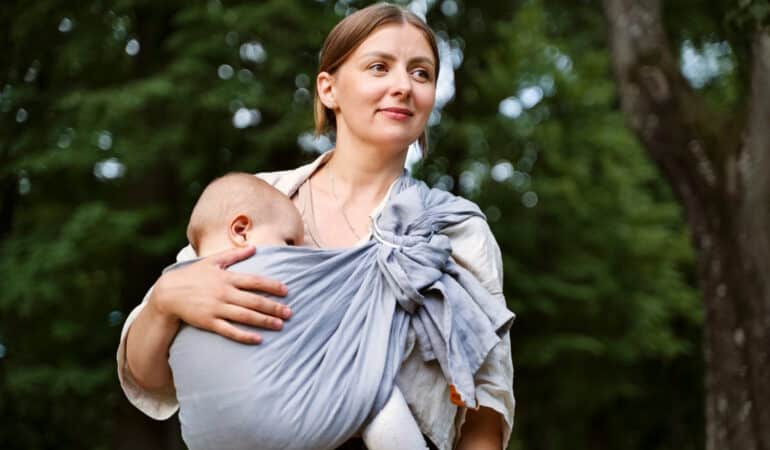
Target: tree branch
<point x="670" y="119"/>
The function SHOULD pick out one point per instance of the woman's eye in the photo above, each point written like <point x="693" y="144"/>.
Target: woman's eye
<point x="422" y="74"/>
<point x="377" y="67"/>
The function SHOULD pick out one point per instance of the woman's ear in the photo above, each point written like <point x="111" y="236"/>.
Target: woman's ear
<point x="324" y="85"/>
<point x="239" y="230"/>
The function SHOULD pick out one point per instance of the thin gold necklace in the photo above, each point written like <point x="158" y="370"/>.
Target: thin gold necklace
<point x="315" y="240"/>
<point x="342" y="207"/>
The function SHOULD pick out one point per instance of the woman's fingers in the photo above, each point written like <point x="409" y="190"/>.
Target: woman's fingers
<point x="224" y="328"/>
<point x="258" y="283"/>
<point x="247" y="282"/>
<point x="260" y="304"/>
<point x="206" y="295"/>
<point x="229" y="257"/>
<point x="246" y="316"/>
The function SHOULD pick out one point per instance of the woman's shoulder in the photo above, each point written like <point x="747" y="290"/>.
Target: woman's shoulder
<point x="288" y="181"/>
<point x="434" y="201"/>
<point x="473" y="244"/>
<point x="281" y="180"/>
<point x="475" y="248"/>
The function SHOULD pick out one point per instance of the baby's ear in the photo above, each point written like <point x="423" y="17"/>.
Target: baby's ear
<point x="239" y="230"/>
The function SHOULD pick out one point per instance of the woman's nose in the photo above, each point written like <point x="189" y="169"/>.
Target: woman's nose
<point x="402" y="82"/>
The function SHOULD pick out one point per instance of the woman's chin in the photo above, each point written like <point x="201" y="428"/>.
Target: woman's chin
<point x="396" y="140"/>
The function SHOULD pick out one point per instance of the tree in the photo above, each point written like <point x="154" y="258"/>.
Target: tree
<point x="717" y="161"/>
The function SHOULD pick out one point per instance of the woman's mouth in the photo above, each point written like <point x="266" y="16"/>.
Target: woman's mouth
<point x="397" y="113"/>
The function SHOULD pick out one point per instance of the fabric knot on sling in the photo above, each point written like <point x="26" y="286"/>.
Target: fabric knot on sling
<point x="411" y="264"/>
<point x="441" y="297"/>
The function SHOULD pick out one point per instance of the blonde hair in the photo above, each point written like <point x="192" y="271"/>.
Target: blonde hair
<point x="345" y="38"/>
<point x="232" y="194"/>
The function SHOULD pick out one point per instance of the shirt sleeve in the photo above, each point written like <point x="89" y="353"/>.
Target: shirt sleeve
<point x="475" y="248"/>
<point x="158" y="405"/>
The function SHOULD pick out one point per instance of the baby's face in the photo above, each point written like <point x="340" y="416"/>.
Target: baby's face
<point x="286" y="230"/>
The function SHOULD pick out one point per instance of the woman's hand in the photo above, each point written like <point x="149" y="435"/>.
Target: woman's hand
<point x="204" y="295"/>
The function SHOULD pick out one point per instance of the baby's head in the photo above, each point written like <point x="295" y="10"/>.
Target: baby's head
<point x="239" y="209"/>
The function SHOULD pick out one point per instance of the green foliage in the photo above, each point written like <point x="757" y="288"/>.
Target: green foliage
<point x="751" y="12"/>
<point x="102" y="154"/>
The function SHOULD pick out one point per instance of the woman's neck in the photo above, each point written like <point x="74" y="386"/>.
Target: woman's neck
<point x="361" y="172"/>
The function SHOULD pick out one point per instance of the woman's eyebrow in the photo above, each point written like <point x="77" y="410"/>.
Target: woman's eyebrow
<point x="389" y="57"/>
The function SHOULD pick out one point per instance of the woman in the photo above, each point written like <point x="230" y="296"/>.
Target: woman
<point x="375" y="89"/>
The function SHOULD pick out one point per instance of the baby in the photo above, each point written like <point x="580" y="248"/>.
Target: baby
<point x="240" y="209"/>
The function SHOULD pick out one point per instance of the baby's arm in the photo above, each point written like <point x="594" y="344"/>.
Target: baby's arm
<point x="394" y="427"/>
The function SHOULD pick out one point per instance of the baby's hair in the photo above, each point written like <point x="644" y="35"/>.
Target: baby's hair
<point x="229" y="195"/>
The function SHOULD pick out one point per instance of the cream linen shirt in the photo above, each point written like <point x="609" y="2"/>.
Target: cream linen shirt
<point x="423" y="384"/>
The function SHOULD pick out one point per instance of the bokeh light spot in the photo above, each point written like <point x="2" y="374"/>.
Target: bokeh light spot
<point x="21" y="115"/>
<point x="109" y="169"/>
<point x="104" y="140"/>
<point x="132" y="47"/>
<point x="245" y="117"/>
<point x="66" y="25"/>
<point x="502" y="171"/>
<point x="449" y="8"/>
<point x="510" y="107"/>
<point x="529" y="199"/>
<point x="225" y="71"/>
<point x="253" y="52"/>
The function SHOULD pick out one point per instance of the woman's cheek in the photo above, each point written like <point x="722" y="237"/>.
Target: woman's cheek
<point x="428" y="94"/>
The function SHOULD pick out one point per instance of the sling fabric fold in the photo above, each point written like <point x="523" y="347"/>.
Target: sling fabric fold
<point x="318" y="381"/>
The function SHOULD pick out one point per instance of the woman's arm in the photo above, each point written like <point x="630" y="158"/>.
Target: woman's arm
<point x="205" y="295"/>
<point x="475" y="248"/>
<point x="147" y="345"/>
<point x="482" y="430"/>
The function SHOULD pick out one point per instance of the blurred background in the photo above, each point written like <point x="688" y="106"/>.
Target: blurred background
<point x="115" y="114"/>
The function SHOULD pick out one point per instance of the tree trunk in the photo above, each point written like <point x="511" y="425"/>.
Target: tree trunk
<point x="719" y="169"/>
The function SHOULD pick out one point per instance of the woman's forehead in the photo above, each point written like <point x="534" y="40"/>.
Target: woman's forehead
<point x="394" y="40"/>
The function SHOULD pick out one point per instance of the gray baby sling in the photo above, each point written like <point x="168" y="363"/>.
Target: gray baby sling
<point x="318" y="381"/>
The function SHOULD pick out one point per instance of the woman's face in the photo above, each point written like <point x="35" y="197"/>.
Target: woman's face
<point x="384" y="92"/>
